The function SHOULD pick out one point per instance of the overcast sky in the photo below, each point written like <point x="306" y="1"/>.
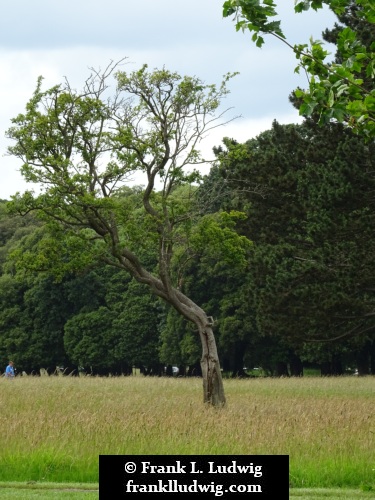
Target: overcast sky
<point x="58" y="39"/>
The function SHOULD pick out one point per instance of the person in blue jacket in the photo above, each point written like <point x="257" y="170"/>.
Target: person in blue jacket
<point x="9" y="370"/>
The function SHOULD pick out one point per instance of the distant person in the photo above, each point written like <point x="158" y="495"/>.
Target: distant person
<point x="9" y="370"/>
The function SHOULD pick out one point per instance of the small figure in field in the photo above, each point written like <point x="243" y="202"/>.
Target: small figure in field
<point x="9" y="370"/>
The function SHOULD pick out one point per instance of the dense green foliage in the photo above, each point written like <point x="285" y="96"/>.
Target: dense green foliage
<point x="341" y="90"/>
<point x="97" y="320"/>
<point x="309" y="195"/>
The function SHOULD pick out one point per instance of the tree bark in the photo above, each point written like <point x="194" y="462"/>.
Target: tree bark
<point x="213" y="389"/>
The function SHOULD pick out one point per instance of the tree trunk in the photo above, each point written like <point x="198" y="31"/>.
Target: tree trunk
<point x="182" y="371"/>
<point x="169" y="371"/>
<point x="296" y="366"/>
<point x="337" y="368"/>
<point x="238" y="363"/>
<point x="213" y="389"/>
<point x="325" y="368"/>
<point x="372" y="358"/>
<point x="363" y="360"/>
<point x="281" y="369"/>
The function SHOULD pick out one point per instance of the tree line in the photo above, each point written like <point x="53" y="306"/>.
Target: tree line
<point x="301" y="194"/>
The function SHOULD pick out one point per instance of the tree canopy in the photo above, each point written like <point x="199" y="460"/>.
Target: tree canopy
<point x="308" y="192"/>
<point x="341" y="90"/>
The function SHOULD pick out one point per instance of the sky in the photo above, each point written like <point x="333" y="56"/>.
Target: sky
<point x="64" y="39"/>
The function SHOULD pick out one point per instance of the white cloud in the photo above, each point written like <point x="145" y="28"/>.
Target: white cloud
<point x="65" y="39"/>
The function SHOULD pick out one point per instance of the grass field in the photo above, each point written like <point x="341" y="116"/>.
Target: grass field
<point x="54" y="428"/>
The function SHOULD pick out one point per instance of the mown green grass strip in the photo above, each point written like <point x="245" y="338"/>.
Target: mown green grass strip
<point x="331" y="493"/>
<point x="82" y="491"/>
<point x="48" y="491"/>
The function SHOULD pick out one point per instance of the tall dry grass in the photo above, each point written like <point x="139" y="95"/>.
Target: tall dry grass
<point x="54" y="428"/>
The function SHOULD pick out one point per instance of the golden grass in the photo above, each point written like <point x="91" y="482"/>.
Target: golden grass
<point x="59" y="425"/>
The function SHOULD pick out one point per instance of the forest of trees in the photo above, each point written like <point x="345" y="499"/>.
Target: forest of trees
<point x="288" y="279"/>
<point x="307" y="296"/>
